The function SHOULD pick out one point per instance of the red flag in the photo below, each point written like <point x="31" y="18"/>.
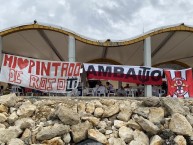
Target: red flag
<point x="180" y="84"/>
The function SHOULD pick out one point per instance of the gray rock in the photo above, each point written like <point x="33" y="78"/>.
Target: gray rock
<point x="24" y="123"/>
<point x="3" y="108"/>
<point x="156" y="140"/>
<point x="119" y="123"/>
<point x="2" y="126"/>
<point x="89" y="142"/>
<point x="136" y="142"/>
<point x="125" y="112"/>
<point x="142" y="111"/>
<point x="3" y="118"/>
<point x="8" y="100"/>
<point x="54" y="141"/>
<point x="180" y="125"/>
<point x="26" y="136"/>
<point x="135" y="104"/>
<point x="10" y="133"/>
<point x="26" y="109"/>
<point x="96" y="135"/>
<point x="190" y="119"/>
<point x="111" y="110"/>
<point x="98" y="104"/>
<point x="108" y="102"/>
<point x="90" y="107"/>
<point x="146" y="124"/>
<point x="116" y="141"/>
<point x="81" y="107"/>
<point x="12" y="109"/>
<point x="102" y="125"/>
<point x="67" y="116"/>
<point x="16" y="141"/>
<point x="95" y="121"/>
<point x="180" y="140"/>
<point x="12" y="118"/>
<point x="151" y="102"/>
<point x="67" y="138"/>
<point x="156" y="114"/>
<point x="52" y="131"/>
<point x="126" y="134"/>
<point x="98" y="112"/>
<point x="140" y="137"/>
<point x="79" y="131"/>
<point x="107" y="132"/>
<point x="191" y="109"/>
<point x="134" y="125"/>
<point x="173" y="105"/>
<point x="186" y="109"/>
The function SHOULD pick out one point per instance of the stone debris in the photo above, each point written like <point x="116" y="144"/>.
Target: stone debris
<point x="10" y="133"/>
<point x="147" y="125"/>
<point x="26" y="109"/>
<point x="98" y="112"/>
<point x="156" y="140"/>
<point x="3" y="118"/>
<point x="52" y="131"/>
<point x="180" y="140"/>
<point x="16" y="141"/>
<point x="79" y="131"/>
<point x="67" y="115"/>
<point x="96" y="135"/>
<point x="8" y="100"/>
<point x="90" y="107"/>
<point x="173" y="106"/>
<point x="156" y="115"/>
<point x="147" y="121"/>
<point x="126" y="134"/>
<point x="125" y="112"/>
<point x="111" y="110"/>
<point x="180" y="125"/>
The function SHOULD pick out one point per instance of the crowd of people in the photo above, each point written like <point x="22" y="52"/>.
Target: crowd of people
<point x="99" y="90"/>
<point x="108" y="89"/>
<point x="127" y="90"/>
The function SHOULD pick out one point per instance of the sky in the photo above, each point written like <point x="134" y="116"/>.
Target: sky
<point x="98" y="19"/>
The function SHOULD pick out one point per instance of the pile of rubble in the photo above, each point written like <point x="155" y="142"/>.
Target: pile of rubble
<point x="144" y="121"/>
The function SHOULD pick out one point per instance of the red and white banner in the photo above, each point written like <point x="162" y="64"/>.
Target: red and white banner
<point x="132" y="74"/>
<point x="46" y="76"/>
<point x="180" y="84"/>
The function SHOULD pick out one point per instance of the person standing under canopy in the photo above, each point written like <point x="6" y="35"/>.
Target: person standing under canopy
<point x="127" y="86"/>
<point x="109" y="87"/>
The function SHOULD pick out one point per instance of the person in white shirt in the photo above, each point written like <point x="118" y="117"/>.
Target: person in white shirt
<point x="121" y="92"/>
<point x="101" y="90"/>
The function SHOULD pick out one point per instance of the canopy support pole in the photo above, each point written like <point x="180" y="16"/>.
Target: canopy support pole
<point x="147" y="62"/>
<point x="71" y="52"/>
<point x="71" y="49"/>
<point x="1" y="50"/>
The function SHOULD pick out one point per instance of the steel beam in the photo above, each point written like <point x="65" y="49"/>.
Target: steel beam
<point x="161" y="45"/>
<point x="51" y="45"/>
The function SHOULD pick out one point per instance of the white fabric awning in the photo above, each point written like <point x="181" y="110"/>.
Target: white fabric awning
<point x="169" y="44"/>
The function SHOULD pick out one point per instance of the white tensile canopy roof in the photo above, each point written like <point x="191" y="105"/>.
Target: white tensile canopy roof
<point x="173" y="44"/>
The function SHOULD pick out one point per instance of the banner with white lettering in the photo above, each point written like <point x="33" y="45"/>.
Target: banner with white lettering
<point x="46" y="76"/>
<point x="132" y="74"/>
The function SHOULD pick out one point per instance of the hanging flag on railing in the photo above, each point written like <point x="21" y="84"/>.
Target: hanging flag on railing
<point x="132" y="74"/>
<point x="43" y="75"/>
<point x="180" y="84"/>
